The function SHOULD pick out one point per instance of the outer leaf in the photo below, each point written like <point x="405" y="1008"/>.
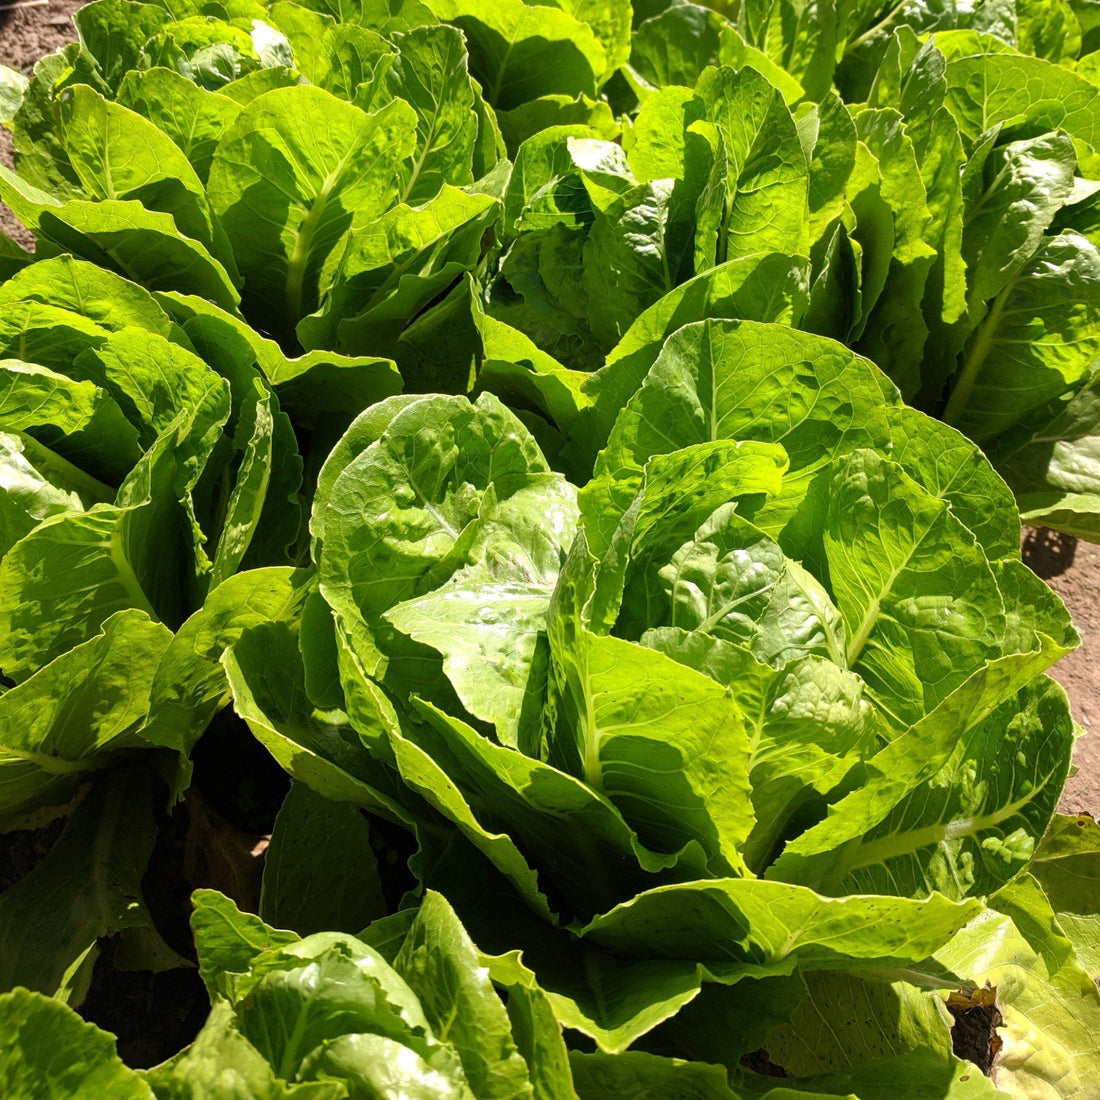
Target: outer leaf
<point x="193" y="118"/>
<point x="190" y="685"/>
<point x="919" y="600"/>
<point x="976" y="824"/>
<point x="299" y="161"/>
<point x="564" y="825"/>
<point x="320" y="873"/>
<point x="910" y="760"/>
<point x="1049" y="1045"/>
<point x="1025" y="92"/>
<point x="223" y="1063"/>
<point x="70" y="716"/>
<point x="390" y="273"/>
<point x="319" y="749"/>
<point x="1067" y="865"/>
<point x="756" y="199"/>
<point x="519" y="52"/>
<point x="144" y="245"/>
<point x="641" y="1076"/>
<point x="441" y="966"/>
<point x="752" y="928"/>
<point x="229" y="942"/>
<point x="759" y="287"/>
<point x="661" y="741"/>
<point x="75" y="570"/>
<point x="1021" y="188"/>
<point x="1036" y="344"/>
<point x="33" y="1029"/>
<point x="430" y="75"/>
<point x="118" y="155"/>
<point x="88" y="886"/>
<point x="729" y="380"/>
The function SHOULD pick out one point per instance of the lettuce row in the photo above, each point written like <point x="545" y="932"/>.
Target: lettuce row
<point x="518" y="419"/>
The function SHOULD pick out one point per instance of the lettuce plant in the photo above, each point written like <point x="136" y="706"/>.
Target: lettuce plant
<point x="587" y="444"/>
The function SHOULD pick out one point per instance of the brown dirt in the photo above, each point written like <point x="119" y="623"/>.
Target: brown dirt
<point x="1072" y="569"/>
<point x="26" y="34"/>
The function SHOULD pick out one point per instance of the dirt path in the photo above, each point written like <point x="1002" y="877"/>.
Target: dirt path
<point x="26" y="34"/>
<point x="1072" y="569"/>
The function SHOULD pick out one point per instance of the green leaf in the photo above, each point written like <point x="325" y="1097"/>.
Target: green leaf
<point x="515" y="369"/>
<point x="193" y="118"/>
<point x="520" y="52"/>
<point x="1025" y="93"/>
<point x="114" y="32"/>
<point x="950" y="467"/>
<point x="29" y="495"/>
<point x="384" y="1066"/>
<point x="538" y="1037"/>
<point x="229" y="942"/>
<point x="70" y="716"/>
<point x="731" y="582"/>
<point x="1016" y="192"/>
<point x="741" y="380"/>
<point x="642" y="1076"/>
<point x="487" y="619"/>
<point x="90" y="291"/>
<point x="494" y="794"/>
<point x="34" y="1028"/>
<point x="388" y="275"/>
<point x="976" y="823"/>
<point x="119" y="155"/>
<point x="262" y="513"/>
<point x="658" y="739"/>
<point x="926" y="1073"/>
<point x="1067" y="865"/>
<point x="1036" y="344"/>
<point x="88" y="886"/>
<point x="13" y="85"/>
<point x="631" y="258"/>
<point x="415" y="752"/>
<point x="78" y="418"/>
<point x="161" y="387"/>
<point x="760" y="287"/>
<point x="289" y="178"/>
<point x="320" y="873"/>
<point x="916" y="756"/>
<point x="302" y="995"/>
<point x="1050" y="1014"/>
<point x="224" y="1064"/>
<point x="430" y="75"/>
<point x="808" y="726"/>
<point x="313" y="387"/>
<point x="612" y="1001"/>
<point x="893" y="333"/>
<point x="190" y="685"/>
<point x="406" y="507"/>
<point x="76" y="569"/>
<point x="442" y="968"/>
<point x="869" y="1020"/>
<point x="753" y="928"/>
<point x="756" y="198"/>
<point x="919" y="601"/>
<point x="318" y="748"/>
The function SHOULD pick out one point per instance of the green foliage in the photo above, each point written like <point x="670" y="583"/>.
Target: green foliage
<point x="584" y="446"/>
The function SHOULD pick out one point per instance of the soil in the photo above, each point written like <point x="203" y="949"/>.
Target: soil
<point x="26" y="34"/>
<point x="1072" y="569"/>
